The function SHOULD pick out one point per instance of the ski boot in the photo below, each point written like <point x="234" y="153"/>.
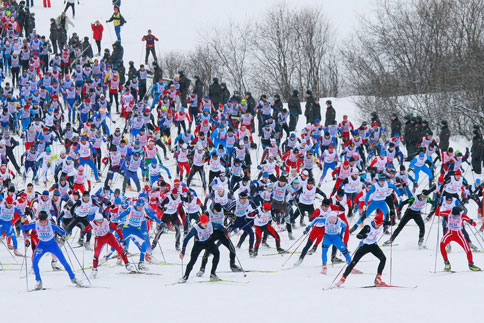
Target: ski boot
<point x="252" y="253"/>
<point x="239" y="244"/>
<point x="356" y="271"/>
<point x="142" y="266"/>
<point x="87" y="245"/>
<point x="130" y="267"/>
<point x="354" y="228"/>
<point x="447" y="267"/>
<point x="94" y="273"/>
<point x="55" y="265"/>
<point x="38" y="285"/>
<point x="98" y="180"/>
<point x="235" y="268"/>
<point x="214" y="278"/>
<point x="379" y="282"/>
<point x="336" y="260"/>
<point x="388" y="242"/>
<point x="312" y="250"/>
<point x="420" y="243"/>
<point x="473" y="267"/>
<point x="77" y="282"/>
<point x="182" y="280"/>
<point x="80" y="242"/>
<point x="201" y="272"/>
<point x="340" y="282"/>
<point x="298" y="262"/>
<point x="280" y="250"/>
<point x="17" y="253"/>
<point x="473" y="247"/>
<point x="324" y="270"/>
<point x="149" y="259"/>
<point x="265" y="244"/>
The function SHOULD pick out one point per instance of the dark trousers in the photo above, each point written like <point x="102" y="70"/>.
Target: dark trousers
<point x="409" y="215"/>
<point x="198" y="246"/>
<point x="152" y="51"/>
<point x="363" y="250"/>
<point x="98" y="44"/>
<point x="293" y="118"/>
<point x="197" y="169"/>
<point x="222" y="238"/>
<point x="72" y="5"/>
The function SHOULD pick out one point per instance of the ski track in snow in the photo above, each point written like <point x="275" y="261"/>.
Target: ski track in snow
<point x="284" y="296"/>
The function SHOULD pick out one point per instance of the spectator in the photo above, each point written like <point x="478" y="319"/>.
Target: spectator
<point x="118" y="21"/>
<point x="150" y="45"/>
<point x="97" y="35"/>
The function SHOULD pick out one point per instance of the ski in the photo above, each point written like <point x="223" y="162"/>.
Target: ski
<point x="383" y="286"/>
<point x="280" y="254"/>
<point x="37" y="290"/>
<point x="208" y="281"/>
<point x="140" y="273"/>
<point x="222" y="281"/>
<point x="443" y="272"/>
<point x="249" y="271"/>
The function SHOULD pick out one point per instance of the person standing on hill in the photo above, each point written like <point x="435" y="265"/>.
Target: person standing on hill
<point x="97" y="35"/>
<point x="150" y="45"/>
<point x="330" y="113"/>
<point x="72" y="4"/>
<point x="118" y="21"/>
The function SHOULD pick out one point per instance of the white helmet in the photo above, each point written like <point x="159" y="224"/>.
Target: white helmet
<point x="184" y="146"/>
<point x="98" y="217"/>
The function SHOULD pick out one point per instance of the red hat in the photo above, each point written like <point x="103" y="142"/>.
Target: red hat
<point x="147" y="187"/>
<point x="204" y="218"/>
<point x="267" y="205"/>
<point x="331" y="147"/>
<point x="346" y="163"/>
<point x="378" y="219"/>
<point x="9" y="199"/>
<point x="174" y="191"/>
<point x="176" y="181"/>
<point x="374" y="124"/>
<point x="23" y="195"/>
<point x="458" y="172"/>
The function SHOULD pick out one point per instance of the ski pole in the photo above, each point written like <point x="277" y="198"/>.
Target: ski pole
<point x="237" y="257"/>
<point x="391" y="250"/>
<point x="296" y="242"/>
<point x="82" y="268"/>
<point x="162" y="254"/>
<point x="26" y="267"/>
<point x="437" y="244"/>
<point x="475" y="236"/>
<point x="15" y="259"/>
<point x="344" y="267"/>
<point x="292" y="253"/>
<point x="430" y="230"/>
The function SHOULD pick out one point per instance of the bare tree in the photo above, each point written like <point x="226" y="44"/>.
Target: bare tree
<point x="172" y="62"/>
<point x="273" y="49"/>
<point x="423" y="57"/>
<point x="230" y="46"/>
<point x="202" y="62"/>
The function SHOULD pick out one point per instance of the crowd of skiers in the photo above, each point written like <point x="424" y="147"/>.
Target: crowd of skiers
<point x="78" y="131"/>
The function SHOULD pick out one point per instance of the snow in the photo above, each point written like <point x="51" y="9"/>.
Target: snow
<point x="284" y="296"/>
<point x="293" y="295"/>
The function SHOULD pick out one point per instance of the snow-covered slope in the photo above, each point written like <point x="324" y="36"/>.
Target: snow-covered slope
<point x="280" y="295"/>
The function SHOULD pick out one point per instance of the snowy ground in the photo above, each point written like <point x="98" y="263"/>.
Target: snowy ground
<point x="293" y="295"/>
<point x="281" y="296"/>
